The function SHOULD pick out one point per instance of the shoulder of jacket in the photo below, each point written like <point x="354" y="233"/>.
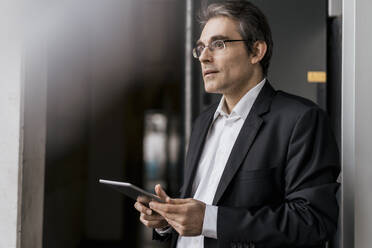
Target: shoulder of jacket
<point x="292" y="107"/>
<point x="293" y="103"/>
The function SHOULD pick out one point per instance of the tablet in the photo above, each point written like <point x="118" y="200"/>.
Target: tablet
<point x="130" y="190"/>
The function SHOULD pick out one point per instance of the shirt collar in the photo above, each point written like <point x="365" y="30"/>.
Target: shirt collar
<point x="244" y="105"/>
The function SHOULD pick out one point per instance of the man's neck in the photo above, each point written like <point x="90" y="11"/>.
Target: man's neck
<point x="232" y="99"/>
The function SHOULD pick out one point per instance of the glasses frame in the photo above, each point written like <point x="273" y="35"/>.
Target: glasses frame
<point x="194" y="50"/>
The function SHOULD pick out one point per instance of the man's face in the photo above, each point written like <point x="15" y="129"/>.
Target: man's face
<point x="229" y="70"/>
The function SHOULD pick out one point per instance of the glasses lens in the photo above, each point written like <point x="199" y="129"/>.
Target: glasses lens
<point x="195" y="53"/>
<point x="215" y="45"/>
<point x="198" y="51"/>
<point x="218" y="45"/>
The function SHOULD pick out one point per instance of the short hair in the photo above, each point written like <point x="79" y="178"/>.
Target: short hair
<point x="253" y="25"/>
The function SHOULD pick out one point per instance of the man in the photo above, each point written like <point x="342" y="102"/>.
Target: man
<point x="262" y="165"/>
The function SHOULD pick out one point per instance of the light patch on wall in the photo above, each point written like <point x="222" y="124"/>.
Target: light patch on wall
<point x="316" y="77"/>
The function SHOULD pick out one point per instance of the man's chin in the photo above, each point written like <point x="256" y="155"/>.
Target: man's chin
<point x="211" y="90"/>
<point x="210" y="87"/>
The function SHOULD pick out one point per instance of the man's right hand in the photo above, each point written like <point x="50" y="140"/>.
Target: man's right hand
<point x="148" y="216"/>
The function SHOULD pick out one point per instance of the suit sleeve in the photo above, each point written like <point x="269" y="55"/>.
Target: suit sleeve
<point x="161" y="237"/>
<point x="309" y="212"/>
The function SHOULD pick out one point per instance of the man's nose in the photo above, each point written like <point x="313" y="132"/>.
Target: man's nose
<point x="206" y="55"/>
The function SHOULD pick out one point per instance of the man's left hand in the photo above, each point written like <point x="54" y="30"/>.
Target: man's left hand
<point x="186" y="216"/>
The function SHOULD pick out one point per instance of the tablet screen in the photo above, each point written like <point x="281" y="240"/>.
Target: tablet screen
<point x="130" y="190"/>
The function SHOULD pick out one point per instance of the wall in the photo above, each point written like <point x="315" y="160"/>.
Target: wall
<point x="363" y="120"/>
<point x="34" y="142"/>
<point x="11" y="122"/>
<point x="356" y="128"/>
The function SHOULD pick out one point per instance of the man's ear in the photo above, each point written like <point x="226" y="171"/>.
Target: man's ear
<point x="259" y="51"/>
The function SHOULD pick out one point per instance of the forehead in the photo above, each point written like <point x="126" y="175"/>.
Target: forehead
<point x="220" y="26"/>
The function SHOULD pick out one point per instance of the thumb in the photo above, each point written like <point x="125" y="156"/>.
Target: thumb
<point x="161" y="193"/>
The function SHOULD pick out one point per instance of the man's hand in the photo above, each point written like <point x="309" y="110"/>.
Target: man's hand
<point x="186" y="216"/>
<point x="149" y="217"/>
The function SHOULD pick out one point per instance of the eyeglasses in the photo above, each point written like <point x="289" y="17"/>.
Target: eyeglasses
<point x="217" y="45"/>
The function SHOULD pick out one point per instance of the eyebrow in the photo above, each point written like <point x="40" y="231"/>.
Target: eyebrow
<point x="213" y="38"/>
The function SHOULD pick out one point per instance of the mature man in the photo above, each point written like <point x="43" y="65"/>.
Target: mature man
<point x="262" y="165"/>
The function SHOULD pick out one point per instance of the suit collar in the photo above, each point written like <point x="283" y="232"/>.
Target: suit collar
<point x="263" y="101"/>
<point x="196" y="147"/>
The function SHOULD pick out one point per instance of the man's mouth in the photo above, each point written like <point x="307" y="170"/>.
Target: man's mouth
<point x="209" y="72"/>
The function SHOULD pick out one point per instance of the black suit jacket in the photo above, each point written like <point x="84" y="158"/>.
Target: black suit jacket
<point x="278" y="187"/>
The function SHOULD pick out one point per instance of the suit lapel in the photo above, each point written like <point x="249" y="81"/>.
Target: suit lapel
<point x="245" y="138"/>
<point x="195" y="149"/>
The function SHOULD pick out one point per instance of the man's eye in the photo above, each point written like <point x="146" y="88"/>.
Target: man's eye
<point x="218" y="44"/>
<point x="200" y="48"/>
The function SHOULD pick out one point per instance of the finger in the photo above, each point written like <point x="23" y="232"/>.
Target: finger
<point x="153" y="223"/>
<point x="152" y="217"/>
<point x="157" y="224"/>
<point x="171" y="216"/>
<point x="178" y="217"/>
<point x="179" y="200"/>
<point x="161" y="213"/>
<point x="161" y="193"/>
<point x="165" y="208"/>
<point x="142" y="209"/>
<point x="143" y="199"/>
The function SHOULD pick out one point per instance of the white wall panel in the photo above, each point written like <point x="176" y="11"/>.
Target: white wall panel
<point x="10" y="121"/>
<point x="356" y="124"/>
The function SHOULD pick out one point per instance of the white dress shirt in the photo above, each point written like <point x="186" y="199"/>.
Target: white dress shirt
<point x="220" y="140"/>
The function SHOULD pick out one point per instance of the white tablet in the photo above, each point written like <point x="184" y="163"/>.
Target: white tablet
<point x="130" y="190"/>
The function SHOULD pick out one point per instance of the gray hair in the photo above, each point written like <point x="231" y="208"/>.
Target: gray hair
<point x="253" y="25"/>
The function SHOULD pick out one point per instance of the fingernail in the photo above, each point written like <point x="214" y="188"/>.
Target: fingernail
<point x="149" y="212"/>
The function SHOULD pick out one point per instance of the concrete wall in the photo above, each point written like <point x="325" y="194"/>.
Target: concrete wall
<point x="356" y="124"/>
<point x="363" y="121"/>
<point x="34" y="142"/>
<point x="10" y="122"/>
